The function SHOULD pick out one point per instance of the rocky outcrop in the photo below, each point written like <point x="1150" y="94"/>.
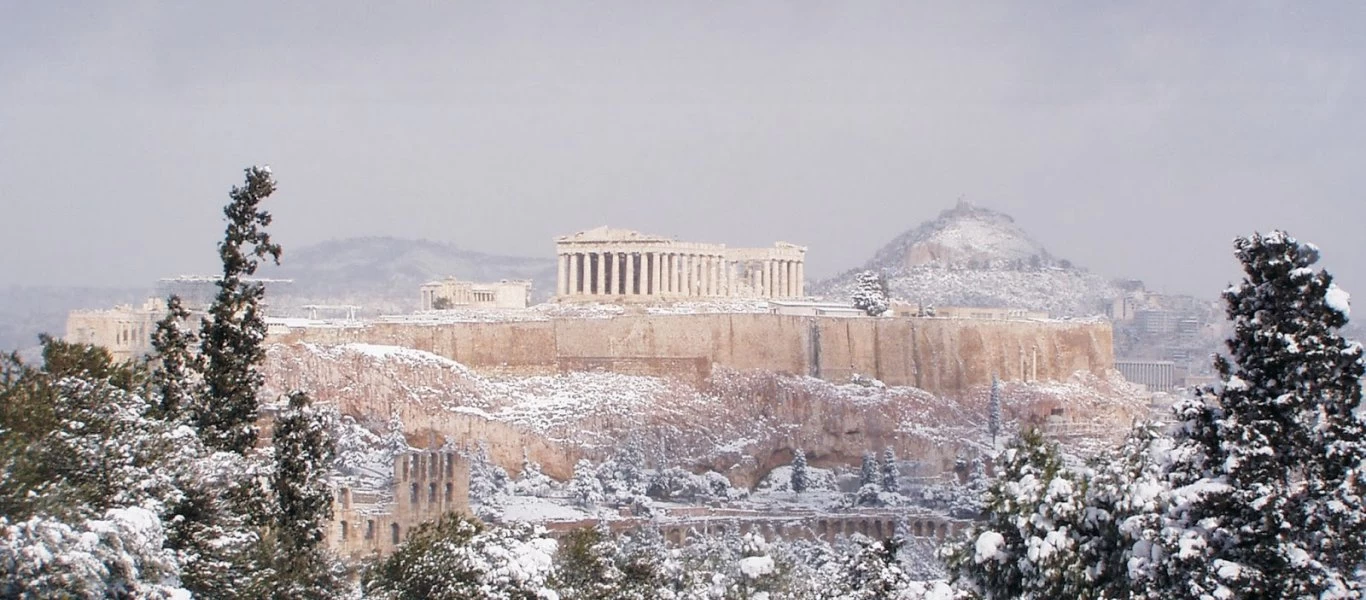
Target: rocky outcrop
<point x="942" y="356"/>
<point x="742" y="423"/>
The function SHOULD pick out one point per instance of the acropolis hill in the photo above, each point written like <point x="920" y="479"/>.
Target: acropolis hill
<point x="942" y="356"/>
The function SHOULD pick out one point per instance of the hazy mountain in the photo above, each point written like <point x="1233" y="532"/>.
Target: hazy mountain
<point x="973" y="256"/>
<point x="384" y="273"/>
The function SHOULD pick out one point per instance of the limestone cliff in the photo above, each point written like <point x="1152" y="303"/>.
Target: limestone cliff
<point x="740" y="422"/>
<point x="942" y="356"/>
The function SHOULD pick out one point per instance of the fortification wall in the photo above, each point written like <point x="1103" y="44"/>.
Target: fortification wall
<point x="943" y="356"/>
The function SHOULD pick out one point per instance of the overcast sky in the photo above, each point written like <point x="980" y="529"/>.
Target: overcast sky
<point x="1135" y="139"/>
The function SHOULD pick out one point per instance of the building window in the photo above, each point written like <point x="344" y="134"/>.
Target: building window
<point x="370" y="529"/>
<point x="431" y="493"/>
<point x="393" y="533"/>
<point x="450" y="492"/>
<point x="413" y="489"/>
<point x="345" y="532"/>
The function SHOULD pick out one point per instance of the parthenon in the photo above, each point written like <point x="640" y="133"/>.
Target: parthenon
<point x="619" y="264"/>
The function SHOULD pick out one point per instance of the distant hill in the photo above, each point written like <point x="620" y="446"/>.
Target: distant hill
<point x="973" y="256"/>
<point x="384" y="273"/>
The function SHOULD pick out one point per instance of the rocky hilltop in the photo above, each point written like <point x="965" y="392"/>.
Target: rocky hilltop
<point x="740" y="423"/>
<point x="973" y="256"/>
<point x="383" y="273"/>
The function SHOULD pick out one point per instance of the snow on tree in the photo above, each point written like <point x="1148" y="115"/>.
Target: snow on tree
<point x="118" y="556"/>
<point x="870" y="293"/>
<point x="868" y="569"/>
<point x="488" y="482"/>
<point x="532" y="481"/>
<point x="1267" y="472"/>
<point x="890" y="474"/>
<point x="175" y="378"/>
<point x="458" y="558"/>
<point x="799" y="482"/>
<point x="232" y="334"/>
<point x="870" y="481"/>
<point x="304" y="451"/>
<point x="994" y="410"/>
<point x="394" y="441"/>
<point x="585" y="489"/>
<point x="1025" y="547"/>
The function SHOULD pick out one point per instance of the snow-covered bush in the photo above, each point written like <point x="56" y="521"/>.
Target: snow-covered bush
<point x="870" y="293"/>
<point x="456" y="558"/>
<point x="675" y="484"/>
<point x="119" y="556"/>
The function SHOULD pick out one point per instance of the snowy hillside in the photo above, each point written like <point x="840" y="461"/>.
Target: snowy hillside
<point x="972" y="256"/>
<point x="384" y="272"/>
<point x="741" y="423"/>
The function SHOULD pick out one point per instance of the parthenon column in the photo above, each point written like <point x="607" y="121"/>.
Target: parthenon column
<point x="630" y="274"/>
<point x="571" y="286"/>
<point x="770" y="286"/>
<point x="708" y="276"/>
<point x="654" y="273"/>
<point x="601" y="283"/>
<point x="561" y="275"/>
<point x="686" y="274"/>
<point x="721" y="276"/>
<point x="801" y="279"/>
<point x="619" y="283"/>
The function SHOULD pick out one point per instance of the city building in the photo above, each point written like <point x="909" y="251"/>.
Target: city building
<point x="619" y="264"/>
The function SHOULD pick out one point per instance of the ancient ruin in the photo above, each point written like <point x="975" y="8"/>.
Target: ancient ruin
<point x="452" y="293"/>
<point x="619" y="264"/>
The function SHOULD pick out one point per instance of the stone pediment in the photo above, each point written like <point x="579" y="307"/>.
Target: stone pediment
<point x="612" y="234"/>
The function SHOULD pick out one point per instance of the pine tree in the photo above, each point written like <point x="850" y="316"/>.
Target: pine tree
<point x="1024" y="548"/>
<point x="304" y="450"/>
<point x="585" y="489"/>
<point x="994" y="410"/>
<point x="870" y="293"/>
<point x="177" y="366"/>
<point x="800" y="478"/>
<point x="890" y="482"/>
<point x="231" y="336"/>
<point x="1273" y="461"/>
<point x="868" y="471"/>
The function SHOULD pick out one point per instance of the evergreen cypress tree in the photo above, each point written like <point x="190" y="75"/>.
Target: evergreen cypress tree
<point x="177" y="366"/>
<point x="1025" y="548"/>
<point x="231" y="336"/>
<point x="868" y="471"/>
<point x="304" y="450"/>
<point x="870" y="293"/>
<point x="890" y="481"/>
<point x="994" y="411"/>
<point x="1274" y="458"/>
<point x="800" y="480"/>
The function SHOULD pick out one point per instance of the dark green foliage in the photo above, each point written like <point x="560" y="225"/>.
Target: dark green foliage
<point x="429" y="565"/>
<point x="890" y="475"/>
<point x="232" y="335"/>
<point x="304" y="449"/>
<point x="177" y="367"/>
<point x="47" y="463"/>
<point x="1279" y="437"/>
<point x="801" y="480"/>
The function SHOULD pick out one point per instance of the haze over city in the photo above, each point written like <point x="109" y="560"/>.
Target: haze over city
<point x="1134" y="140"/>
